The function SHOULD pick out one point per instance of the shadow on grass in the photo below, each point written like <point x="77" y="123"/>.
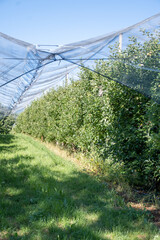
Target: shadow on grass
<point x="35" y="201"/>
<point x="6" y="138"/>
<point x="6" y="142"/>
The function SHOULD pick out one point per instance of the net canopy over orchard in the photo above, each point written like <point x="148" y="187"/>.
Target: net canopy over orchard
<point x="28" y="71"/>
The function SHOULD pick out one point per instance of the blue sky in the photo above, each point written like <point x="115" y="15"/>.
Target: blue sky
<point x="67" y="21"/>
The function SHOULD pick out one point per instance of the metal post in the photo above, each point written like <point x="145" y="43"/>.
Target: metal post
<point x="120" y="42"/>
<point x="66" y="79"/>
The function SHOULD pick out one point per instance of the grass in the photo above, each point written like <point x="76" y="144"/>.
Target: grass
<point x="43" y="197"/>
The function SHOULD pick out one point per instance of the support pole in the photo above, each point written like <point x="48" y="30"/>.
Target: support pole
<point x="120" y="42"/>
<point x="66" y="79"/>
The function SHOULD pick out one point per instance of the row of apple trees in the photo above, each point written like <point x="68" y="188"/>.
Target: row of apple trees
<point x="6" y="120"/>
<point x="100" y="116"/>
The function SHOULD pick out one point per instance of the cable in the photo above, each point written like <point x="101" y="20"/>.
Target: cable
<point x="105" y="76"/>
<point x="26" y="73"/>
<point x="79" y="65"/>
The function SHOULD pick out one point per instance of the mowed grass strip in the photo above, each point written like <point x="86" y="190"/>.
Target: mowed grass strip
<point x="43" y="196"/>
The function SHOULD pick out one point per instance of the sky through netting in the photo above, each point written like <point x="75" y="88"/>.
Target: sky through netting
<point x="27" y="71"/>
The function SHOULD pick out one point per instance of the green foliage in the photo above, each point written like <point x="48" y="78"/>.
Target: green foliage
<point x="96" y="115"/>
<point x="6" y="124"/>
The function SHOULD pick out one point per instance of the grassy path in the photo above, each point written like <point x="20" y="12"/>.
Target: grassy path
<point x="43" y="197"/>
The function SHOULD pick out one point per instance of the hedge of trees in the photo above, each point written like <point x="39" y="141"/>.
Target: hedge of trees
<point x="105" y="119"/>
<point x="6" y="120"/>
